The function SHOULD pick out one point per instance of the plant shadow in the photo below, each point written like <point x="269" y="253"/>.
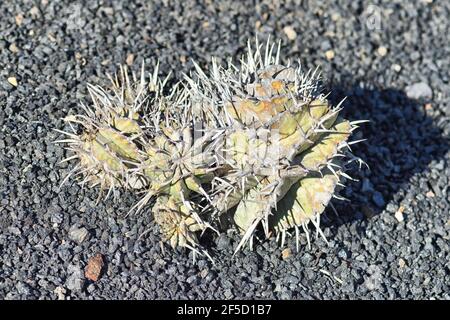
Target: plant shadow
<point x="402" y="139"/>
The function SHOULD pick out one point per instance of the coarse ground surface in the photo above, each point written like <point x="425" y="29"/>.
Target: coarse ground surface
<point x="391" y="240"/>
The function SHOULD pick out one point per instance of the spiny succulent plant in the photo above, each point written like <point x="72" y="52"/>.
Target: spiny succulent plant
<point x="136" y="137"/>
<point x="108" y="138"/>
<point x="285" y="146"/>
<point x="176" y="168"/>
<point x="258" y="141"/>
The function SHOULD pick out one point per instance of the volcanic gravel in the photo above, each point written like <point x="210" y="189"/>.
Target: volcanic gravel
<point x="389" y="241"/>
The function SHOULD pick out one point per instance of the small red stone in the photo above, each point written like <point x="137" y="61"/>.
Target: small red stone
<point x="94" y="267"/>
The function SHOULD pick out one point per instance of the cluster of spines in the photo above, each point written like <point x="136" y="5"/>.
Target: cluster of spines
<point x="237" y="99"/>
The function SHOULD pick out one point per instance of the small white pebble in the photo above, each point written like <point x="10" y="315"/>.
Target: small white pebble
<point x="329" y="54"/>
<point x="34" y="11"/>
<point x="399" y="214"/>
<point x="13" y="48"/>
<point x="12" y="81"/>
<point x="19" y="19"/>
<point x="130" y="59"/>
<point x="396" y="67"/>
<point x="60" y="292"/>
<point x="290" y="32"/>
<point x="430" y="194"/>
<point x="335" y="17"/>
<point x="382" y="51"/>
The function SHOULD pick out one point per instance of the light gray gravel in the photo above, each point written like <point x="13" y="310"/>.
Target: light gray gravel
<point x="420" y="90"/>
<point x="78" y="234"/>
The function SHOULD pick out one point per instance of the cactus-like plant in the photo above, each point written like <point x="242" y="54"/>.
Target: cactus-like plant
<point x="259" y="139"/>
<point x="136" y="137"/>
<point x="108" y="138"/>
<point x="176" y="167"/>
<point x="285" y="147"/>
